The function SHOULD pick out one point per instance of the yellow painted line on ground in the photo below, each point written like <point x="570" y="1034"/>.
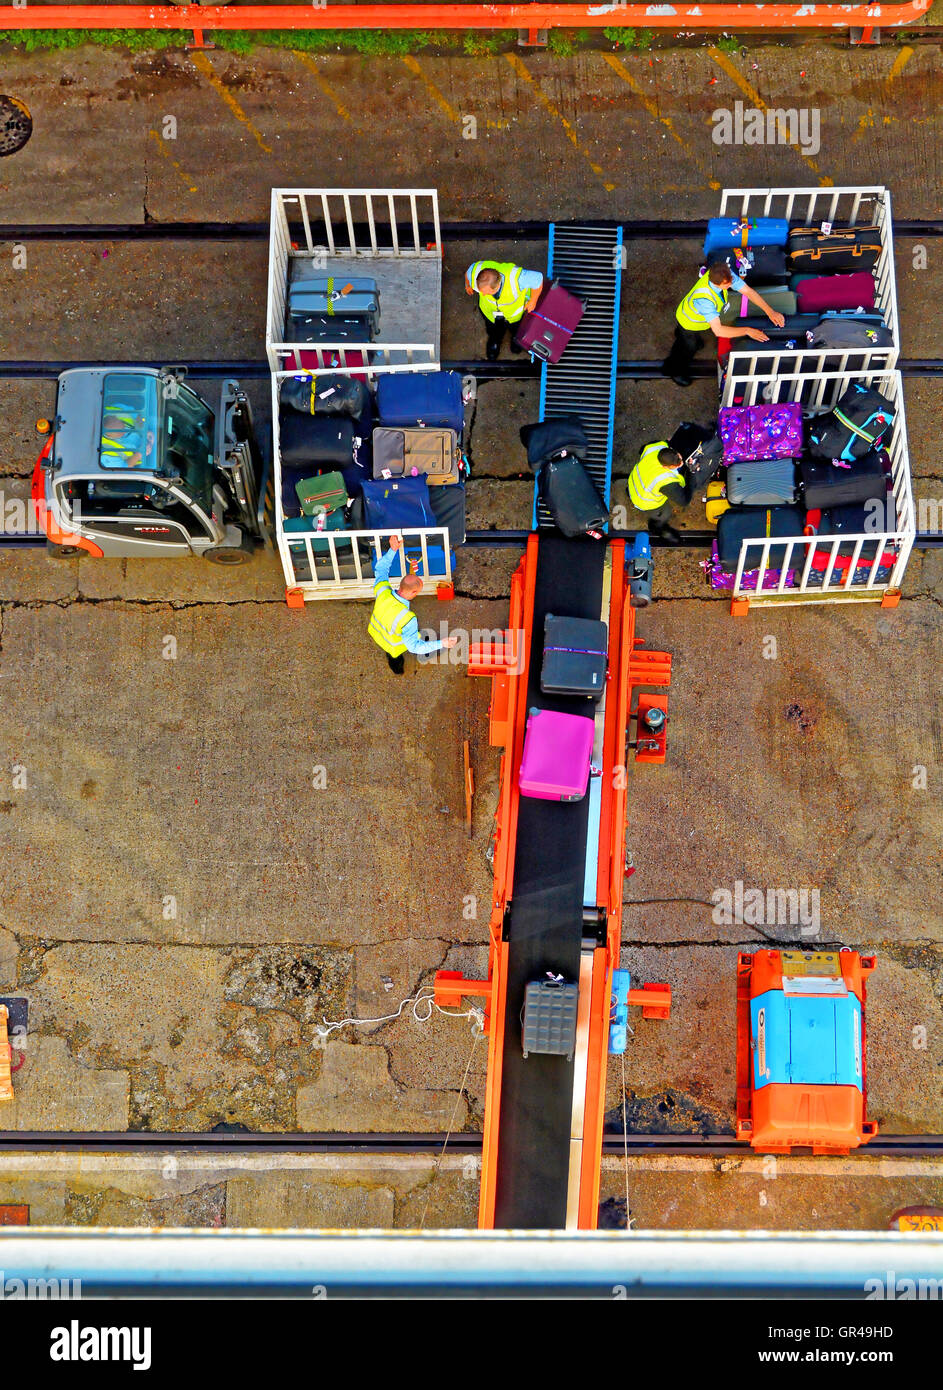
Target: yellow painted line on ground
<point x="162" y="146"/>
<point x="439" y="97"/>
<point x="899" y="63"/>
<point x="327" y="89"/>
<point x="652" y="108"/>
<point x="748" y="90"/>
<point x="203" y="65"/>
<point x="558" y="115"/>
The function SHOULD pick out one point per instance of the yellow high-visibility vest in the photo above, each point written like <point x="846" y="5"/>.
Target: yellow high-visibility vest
<point x="510" y="301"/>
<point x="649" y="476"/>
<point x="690" y="317"/>
<point x="388" y="619"/>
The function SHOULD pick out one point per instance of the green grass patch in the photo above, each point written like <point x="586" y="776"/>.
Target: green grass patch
<point x="728" y="44"/>
<point x="640" y="39"/>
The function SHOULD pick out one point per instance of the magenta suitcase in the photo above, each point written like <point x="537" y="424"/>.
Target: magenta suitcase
<point x="836" y="292"/>
<point x="546" y="331"/>
<point x="557" y="753"/>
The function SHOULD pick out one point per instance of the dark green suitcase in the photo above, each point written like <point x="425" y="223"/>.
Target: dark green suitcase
<point x="325" y="493"/>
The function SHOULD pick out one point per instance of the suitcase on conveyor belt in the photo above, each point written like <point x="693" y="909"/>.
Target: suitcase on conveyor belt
<point x="571" y="498"/>
<point x="549" y="1022"/>
<point x="546" y="331"/>
<point x="574" y="660"/>
<point x="765" y="483"/>
<point x="557" y="753"/>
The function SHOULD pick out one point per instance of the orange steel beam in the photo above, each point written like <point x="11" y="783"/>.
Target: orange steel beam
<point x="511" y="689"/>
<point x="532" y="16"/>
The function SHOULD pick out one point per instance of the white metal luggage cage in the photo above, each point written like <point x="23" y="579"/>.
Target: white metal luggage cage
<point x="821" y="392"/>
<point x="390" y="234"/>
<point x="845" y="207"/>
<point x="341" y="569"/>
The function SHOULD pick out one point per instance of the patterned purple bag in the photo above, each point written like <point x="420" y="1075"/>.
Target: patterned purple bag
<point x="761" y="432"/>
<point x="718" y="578"/>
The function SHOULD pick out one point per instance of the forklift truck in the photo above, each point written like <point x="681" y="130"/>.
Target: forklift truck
<point x="136" y="463"/>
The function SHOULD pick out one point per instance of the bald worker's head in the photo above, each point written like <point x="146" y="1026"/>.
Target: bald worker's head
<point x="410" y="586"/>
<point x="488" y="281"/>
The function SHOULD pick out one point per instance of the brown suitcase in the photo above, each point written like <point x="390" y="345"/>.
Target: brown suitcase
<point x="433" y="453"/>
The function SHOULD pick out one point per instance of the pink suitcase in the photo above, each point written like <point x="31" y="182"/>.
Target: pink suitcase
<point x="557" y="752"/>
<point x="546" y="331"/>
<point x="836" y="292"/>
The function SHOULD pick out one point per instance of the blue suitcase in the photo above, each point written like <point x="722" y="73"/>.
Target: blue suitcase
<point x="421" y="398"/>
<point x="397" y="504"/>
<point x="335" y="295"/>
<point x="724" y="232"/>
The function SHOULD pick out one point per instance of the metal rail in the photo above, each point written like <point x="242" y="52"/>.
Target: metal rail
<point x="716" y="1145"/>
<point x="638" y="229"/>
<point x="430" y="16"/>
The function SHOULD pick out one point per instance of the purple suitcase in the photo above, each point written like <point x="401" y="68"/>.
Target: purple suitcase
<point x="761" y="432"/>
<point x="557" y="752"/>
<point x="836" y="292"/>
<point x="546" y="331"/>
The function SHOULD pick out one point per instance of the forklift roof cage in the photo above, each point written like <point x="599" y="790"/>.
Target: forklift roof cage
<point x="860" y="567"/>
<point x="389" y="234"/>
<point x="807" y="207"/>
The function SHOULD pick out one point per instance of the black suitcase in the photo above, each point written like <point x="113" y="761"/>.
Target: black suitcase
<point x="796" y="326"/>
<point x="323" y="440"/>
<point x="574" y="657"/>
<point x="853" y="248"/>
<point x="448" y="508"/>
<point x="702" y="451"/>
<point x="762" y="263"/>
<point x="878" y="514"/>
<point x="328" y="394"/>
<point x="827" y="486"/>
<point x="738" y="524"/>
<point x="570" y="496"/>
<point x="556" y="435"/>
<point x="328" y="328"/>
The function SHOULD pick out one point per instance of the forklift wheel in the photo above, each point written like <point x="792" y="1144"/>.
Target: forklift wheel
<point x="63" y="552"/>
<point x="229" y="555"/>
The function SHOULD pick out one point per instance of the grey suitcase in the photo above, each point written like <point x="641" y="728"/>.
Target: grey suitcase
<point x="335" y="295"/>
<point x="550" y="1017"/>
<point x="766" y="483"/>
<point x="780" y="300"/>
<point x="841" y="332"/>
<point x="574" y="661"/>
<point x="433" y="453"/>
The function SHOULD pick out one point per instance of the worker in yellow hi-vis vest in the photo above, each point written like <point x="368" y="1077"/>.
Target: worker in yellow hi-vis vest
<point x="657" y="481"/>
<point x="700" y="310"/>
<point x="393" y="625"/>
<point x="505" y="293"/>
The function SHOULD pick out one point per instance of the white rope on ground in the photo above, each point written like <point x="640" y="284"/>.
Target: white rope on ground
<point x="423" y="1002"/>
<point x="625" y="1142"/>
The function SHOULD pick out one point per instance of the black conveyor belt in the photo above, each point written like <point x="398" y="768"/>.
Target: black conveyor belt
<point x="546" y="924"/>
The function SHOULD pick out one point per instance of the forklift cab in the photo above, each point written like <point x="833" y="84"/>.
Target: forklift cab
<point x="138" y="464"/>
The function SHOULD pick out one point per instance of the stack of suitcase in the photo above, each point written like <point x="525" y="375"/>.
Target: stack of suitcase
<point x="820" y="278"/>
<point x="558" y="747"/>
<point x="790" y="476"/>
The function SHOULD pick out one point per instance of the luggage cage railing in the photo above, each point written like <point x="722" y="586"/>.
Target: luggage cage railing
<point x="821" y="393"/>
<point x="329" y="219"/>
<point x="343" y="550"/>
<point x="846" y="207"/>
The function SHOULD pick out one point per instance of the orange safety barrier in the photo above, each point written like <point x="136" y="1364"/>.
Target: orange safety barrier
<point x="531" y="16"/>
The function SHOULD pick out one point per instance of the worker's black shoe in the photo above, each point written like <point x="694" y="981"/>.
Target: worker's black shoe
<point x="516" y="347"/>
<point x="492" y="351"/>
<point x="396" y="664"/>
<point x="682" y="380"/>
<point x="669" y="535"/>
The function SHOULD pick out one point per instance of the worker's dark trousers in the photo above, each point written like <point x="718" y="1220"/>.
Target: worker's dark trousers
<point x="687" y="344"/>
<point x="677" y="495"/>
<point x="496" y="332"/>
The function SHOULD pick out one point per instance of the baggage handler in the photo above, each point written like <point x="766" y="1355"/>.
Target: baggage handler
<point x="656" y="482"/>
<point x="700" y="310"/>
<point x="393" y="626"/>
<point x="505" y="293"/>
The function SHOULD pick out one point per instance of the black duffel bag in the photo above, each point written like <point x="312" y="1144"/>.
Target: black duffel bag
<point x="328" y="394"/>
<point x="557" y="435"/>
<point x="570" y="496"/>
<point x="325" y="440"/>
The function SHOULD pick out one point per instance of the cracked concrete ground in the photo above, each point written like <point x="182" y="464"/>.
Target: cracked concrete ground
<point x="183" y="904"/>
